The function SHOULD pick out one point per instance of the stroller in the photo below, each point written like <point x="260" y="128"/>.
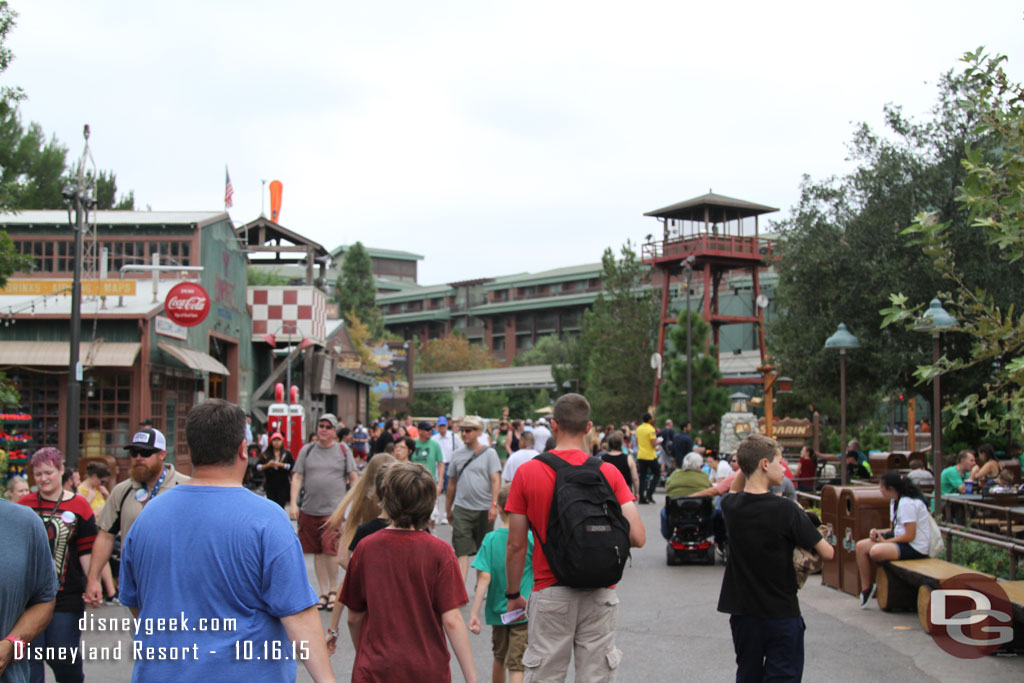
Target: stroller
<point x="690" y="522"/>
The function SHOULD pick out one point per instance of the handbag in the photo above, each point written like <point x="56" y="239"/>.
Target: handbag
<point x="807" y="562"/>
<point x="936" y="546"/>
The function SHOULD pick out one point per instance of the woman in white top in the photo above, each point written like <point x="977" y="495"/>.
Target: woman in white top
<point x="907" y="539"/>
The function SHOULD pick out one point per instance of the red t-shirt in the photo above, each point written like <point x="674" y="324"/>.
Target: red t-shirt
<point x="404" y="580"/>
<point x="532" y="489"/>
<point x="71" y="529"/>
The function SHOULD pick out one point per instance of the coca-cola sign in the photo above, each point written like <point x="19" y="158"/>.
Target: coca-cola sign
<point x="187" y="304"/>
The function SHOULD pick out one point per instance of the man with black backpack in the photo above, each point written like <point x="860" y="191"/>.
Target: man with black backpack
<point x="585" y="519"/>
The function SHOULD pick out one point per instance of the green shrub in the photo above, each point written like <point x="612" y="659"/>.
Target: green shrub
<point x="981" y="557"/>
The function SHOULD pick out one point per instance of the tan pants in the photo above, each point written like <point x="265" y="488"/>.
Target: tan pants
<point x="567" y="622"/>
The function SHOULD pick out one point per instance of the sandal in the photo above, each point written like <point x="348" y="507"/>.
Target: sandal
<point x="322" y="603"/>
<point x="331" y="598"/>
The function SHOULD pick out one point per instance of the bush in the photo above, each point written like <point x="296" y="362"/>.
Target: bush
<point x="981" y="557"/>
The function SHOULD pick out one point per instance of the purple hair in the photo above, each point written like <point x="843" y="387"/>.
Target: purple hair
<point x="47" y="456"/>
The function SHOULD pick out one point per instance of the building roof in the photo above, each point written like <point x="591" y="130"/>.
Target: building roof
<point x="569" y="273"/>
<point x="581" y="299"/>
<point x="380" y="253"/>
<point x="719" y="209"/>
<point x="60" y="217"/>
<point x="270" y="231"/>
<point x="429" y="315"/>
<point x="415" y="294"/>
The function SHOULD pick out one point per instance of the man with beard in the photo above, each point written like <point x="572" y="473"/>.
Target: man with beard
<point x="150" y="476"/>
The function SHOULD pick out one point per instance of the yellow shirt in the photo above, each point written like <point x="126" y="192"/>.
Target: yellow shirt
<point x="644" y="449"/>
<point x="98" y="500"/>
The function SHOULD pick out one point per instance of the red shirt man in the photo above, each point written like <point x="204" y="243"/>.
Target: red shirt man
<point x="583" y="619"/>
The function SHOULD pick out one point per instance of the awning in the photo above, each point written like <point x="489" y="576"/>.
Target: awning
<point x="55" y="354"/>
<point x="197" y="360"/>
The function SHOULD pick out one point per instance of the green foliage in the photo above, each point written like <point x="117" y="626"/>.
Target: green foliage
<point x="842" y="252"/>
<point x="261" y="277"/>
<point x="10" y="259"/>
<point x="991" y="194"/>
<point x="355" y="290"/>
<point x="981" y="557"/>
<point x="710" y="401"/>
<point x="8" y="94"/>
<point x="10" y="398"/>
<point x="549" y="350"/>
<point x="106" y="194"/>
<point x="450" y="354"/>
<point x="611" y="358"/>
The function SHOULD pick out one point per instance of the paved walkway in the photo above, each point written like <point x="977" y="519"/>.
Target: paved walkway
<point x="669" y="630"/>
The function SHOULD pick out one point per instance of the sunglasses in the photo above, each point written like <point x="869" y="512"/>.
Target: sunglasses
<point x="467" y="430"/>
<point x="139" y="454"/>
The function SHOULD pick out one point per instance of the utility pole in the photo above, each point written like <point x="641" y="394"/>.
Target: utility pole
<point x="79" y="198"/>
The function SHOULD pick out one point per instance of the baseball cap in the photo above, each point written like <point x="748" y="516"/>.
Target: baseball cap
<point x="150" y="439"/>
<point x="442" y="421"/>
<point x="542" y="421"/>
<point x="472" y="422"/>
<point x="424" y="426"/>
<point x="328" y="417"/>
<point x="277" y="435"/>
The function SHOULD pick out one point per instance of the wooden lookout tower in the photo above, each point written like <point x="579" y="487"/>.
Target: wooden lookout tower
<point x="721" y="234"/>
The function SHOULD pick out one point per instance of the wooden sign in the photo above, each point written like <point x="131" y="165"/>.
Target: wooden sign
<point x="51" y="287"/>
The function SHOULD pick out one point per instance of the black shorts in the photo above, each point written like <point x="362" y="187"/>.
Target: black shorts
<point x="908" y="552"/>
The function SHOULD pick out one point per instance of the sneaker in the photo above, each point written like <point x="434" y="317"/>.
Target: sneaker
<point x="443" y="520"/>
<point x="866" y="595"/>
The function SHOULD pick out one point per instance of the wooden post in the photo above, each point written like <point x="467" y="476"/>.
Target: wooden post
<point x="912" y="424"/>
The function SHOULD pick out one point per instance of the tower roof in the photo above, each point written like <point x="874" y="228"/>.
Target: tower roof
<point x="716" y="208"/>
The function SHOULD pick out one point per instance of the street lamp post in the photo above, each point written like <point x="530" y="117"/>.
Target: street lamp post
<point x="77" y="196"/>
<point x="935" y="321"/>
<point x="688" y="273"/>
<point x="842" y="340"/>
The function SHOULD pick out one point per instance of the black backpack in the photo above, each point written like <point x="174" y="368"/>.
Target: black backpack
<point x="587" y="537"/>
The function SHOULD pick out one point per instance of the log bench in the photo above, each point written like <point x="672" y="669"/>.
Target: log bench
<point x="908" y="584"/>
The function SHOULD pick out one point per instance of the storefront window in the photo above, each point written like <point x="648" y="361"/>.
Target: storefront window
<point x="106" y="414"/>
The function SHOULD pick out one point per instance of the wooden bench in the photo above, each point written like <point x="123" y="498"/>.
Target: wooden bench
<point x="898" y="581"/>
<point x="908" y="584"/>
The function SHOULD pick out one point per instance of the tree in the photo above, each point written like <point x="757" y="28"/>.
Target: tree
<point x="841" y="253"/>
<point x="450" y="354"/>
<point x="992" y="195"/>
<point x="355" y="290"/>
<point x="710" y="401"/>
<point x="611" y="359"/>
<point x="106" y="194"/>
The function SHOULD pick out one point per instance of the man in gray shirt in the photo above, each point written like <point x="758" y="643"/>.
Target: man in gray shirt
<point x="323" y="471"/>
<point x="472" y="498"/>
<point x="28" y="591"/>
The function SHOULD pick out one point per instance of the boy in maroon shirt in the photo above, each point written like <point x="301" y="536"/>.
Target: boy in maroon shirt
<point x="404" y="589"/>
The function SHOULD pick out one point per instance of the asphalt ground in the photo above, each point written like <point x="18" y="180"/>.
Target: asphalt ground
<point x="669" y="630"/>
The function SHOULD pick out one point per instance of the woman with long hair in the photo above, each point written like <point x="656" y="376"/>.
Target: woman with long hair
<point x="908" y="538"/>
<point x="276" y="465"/>
<point x="364" y="505"/>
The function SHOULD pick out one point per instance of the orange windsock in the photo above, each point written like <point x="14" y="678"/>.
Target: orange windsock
<point x="275" y="199"/>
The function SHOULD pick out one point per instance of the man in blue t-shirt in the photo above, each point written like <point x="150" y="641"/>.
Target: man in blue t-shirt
<point x="215" y="573"/>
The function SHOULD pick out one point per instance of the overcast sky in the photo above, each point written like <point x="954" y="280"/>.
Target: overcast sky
<point x="491" y="137"/>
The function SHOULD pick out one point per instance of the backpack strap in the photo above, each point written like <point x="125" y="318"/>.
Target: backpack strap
<point x="556" y="463"/>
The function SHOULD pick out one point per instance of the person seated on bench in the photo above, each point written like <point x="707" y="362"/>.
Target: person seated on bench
<point x="919" y="474"/>
<point x="684" y="481"/>
<point x="907" y="539"/>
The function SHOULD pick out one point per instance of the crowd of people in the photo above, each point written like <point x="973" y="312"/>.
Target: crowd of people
<point x="364" y="503"/>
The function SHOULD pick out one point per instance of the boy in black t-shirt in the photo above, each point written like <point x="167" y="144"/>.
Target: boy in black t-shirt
<point x="759" y="587"/>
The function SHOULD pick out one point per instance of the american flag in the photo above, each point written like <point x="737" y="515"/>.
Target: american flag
<point x="229" y="191"/>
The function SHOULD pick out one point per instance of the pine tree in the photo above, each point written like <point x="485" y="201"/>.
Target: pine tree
<point x="355" y="290"/>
